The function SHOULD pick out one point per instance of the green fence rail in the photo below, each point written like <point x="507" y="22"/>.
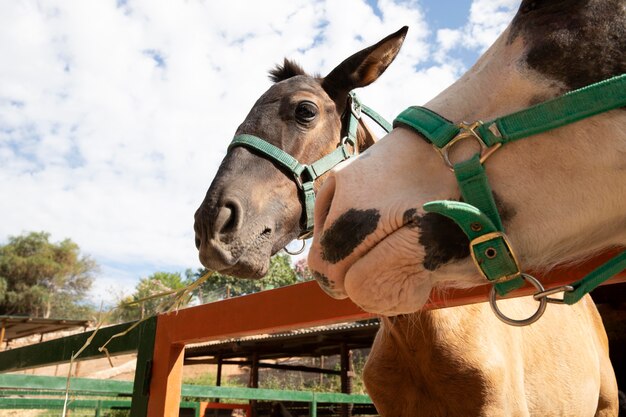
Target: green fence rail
<point x="141" y="340"/>
<point x="13" y="384"/>
<point x="96" y="405"/>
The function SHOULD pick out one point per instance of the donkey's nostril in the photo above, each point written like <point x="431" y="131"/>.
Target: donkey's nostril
<point x="228" y="219"/>
<point x="198" y="226"/>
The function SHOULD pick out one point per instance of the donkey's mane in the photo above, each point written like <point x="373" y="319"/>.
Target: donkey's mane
<point x="287" y="70"/>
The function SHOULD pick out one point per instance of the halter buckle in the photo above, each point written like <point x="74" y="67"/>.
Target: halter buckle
<point x="307" y="175"/>
<point x="355" y="105"/>
<point x="467" y="131"/>
<point x="507" y="245"/>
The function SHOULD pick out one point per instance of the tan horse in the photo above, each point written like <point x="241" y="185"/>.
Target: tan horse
<point x="561" y="194"/>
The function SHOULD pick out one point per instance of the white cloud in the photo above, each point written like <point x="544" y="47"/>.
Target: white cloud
<point x="113" y="120"/>
<point x="487" y="19"/>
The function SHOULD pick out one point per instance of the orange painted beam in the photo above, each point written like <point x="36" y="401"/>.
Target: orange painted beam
<point x="293" y="307"/>
<point x="167" y="376"/>
<point x="557" y="277"/>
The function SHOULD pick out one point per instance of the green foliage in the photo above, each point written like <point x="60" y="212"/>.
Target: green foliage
<point x="114" y="413"/>
<point x="129" y="308"/>
<point x="220" y="286"/>
<point x="44" y="279"/>
<point x="207" y="378"/>
<point x="301" y="381"/>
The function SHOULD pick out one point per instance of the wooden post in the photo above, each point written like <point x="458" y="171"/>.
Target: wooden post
<point x="218" y="377"/>
<point x="2" y="333"/>
<point x="167" y="373"/>
<point x="346" y="377"/>
<point x="254" y="380"/>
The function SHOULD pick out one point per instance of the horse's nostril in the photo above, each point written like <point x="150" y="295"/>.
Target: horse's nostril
<point x="198" y="242"/>
<point x="228" y="219"/>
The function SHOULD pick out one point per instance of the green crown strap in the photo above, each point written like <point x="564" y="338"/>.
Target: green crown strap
<point x="380" y="121"/>
<point x="569" y="108"/>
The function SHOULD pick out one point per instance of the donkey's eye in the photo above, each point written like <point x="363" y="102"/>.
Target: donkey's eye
<point x="305" y="112"/>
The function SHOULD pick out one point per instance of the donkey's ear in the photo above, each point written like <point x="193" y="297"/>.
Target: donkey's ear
<point x="364" y="67"/>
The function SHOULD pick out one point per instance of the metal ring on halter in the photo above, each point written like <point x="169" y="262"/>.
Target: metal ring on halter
<point x="543" y="302"/>
<point x="544" y="294"/>
<point x="298" y="252"/>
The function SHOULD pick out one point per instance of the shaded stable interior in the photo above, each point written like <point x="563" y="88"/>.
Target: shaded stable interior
<point x="16" y="327"/>
<point x="262" y="352"/>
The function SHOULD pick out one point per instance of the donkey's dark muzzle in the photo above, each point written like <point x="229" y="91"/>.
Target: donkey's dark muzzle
<point x="217" y="228"/>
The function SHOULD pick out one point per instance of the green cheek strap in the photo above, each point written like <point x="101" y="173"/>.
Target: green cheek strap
<point x="489" y="247"/>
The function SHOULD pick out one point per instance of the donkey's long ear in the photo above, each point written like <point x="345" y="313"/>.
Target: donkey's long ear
<point x="364" y="67"/>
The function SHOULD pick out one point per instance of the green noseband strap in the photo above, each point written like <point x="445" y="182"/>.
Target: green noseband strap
<point x="304" y="175"/>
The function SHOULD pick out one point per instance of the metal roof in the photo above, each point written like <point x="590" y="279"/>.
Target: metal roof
<point x="16" y="327"/>
<point x="317" y="341"/>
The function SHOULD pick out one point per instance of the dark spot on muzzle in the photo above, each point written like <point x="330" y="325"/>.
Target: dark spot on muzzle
<point x="347" y="233"/>
<point x="322" y="279"/>
<point x="441" y="238"/>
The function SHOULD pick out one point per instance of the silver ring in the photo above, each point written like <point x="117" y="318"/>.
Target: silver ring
<point x="298" y="252"/>
<point x="543" y="302"/>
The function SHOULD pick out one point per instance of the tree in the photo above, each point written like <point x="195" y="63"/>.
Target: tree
<point x="130" y="308"/>
<point x="219" y="286"/>
<point x="302" y="270"/>
<point x="43" y="279"/>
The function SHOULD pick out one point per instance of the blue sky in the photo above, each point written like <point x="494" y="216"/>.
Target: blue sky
<point x="114" y="115"/>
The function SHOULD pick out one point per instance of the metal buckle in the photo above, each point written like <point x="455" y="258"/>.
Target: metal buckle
<point x="355" y="106"/>
<point x="467" y="131"/>
<point x="346" y="140"/>
<point x="491" y="236"/>
<point x="300" y="180"/>
<point x="543" y="302"/>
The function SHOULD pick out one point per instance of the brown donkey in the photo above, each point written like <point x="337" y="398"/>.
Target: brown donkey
<point x="253" y="207"/>
<point x="431" y="363"/>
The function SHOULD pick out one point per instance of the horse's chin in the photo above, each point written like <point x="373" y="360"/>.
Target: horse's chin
<point x="238" y="259"/>
<point x="390" y="279"/>
<point x="247" y="268"/>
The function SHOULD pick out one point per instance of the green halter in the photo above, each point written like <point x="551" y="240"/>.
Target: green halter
<point x="305" y="175"/>
<point x="478" y="216"/>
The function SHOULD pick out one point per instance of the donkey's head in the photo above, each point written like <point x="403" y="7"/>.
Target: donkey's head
<point x="561" y="194"/>
<point x="254" y="207"/>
